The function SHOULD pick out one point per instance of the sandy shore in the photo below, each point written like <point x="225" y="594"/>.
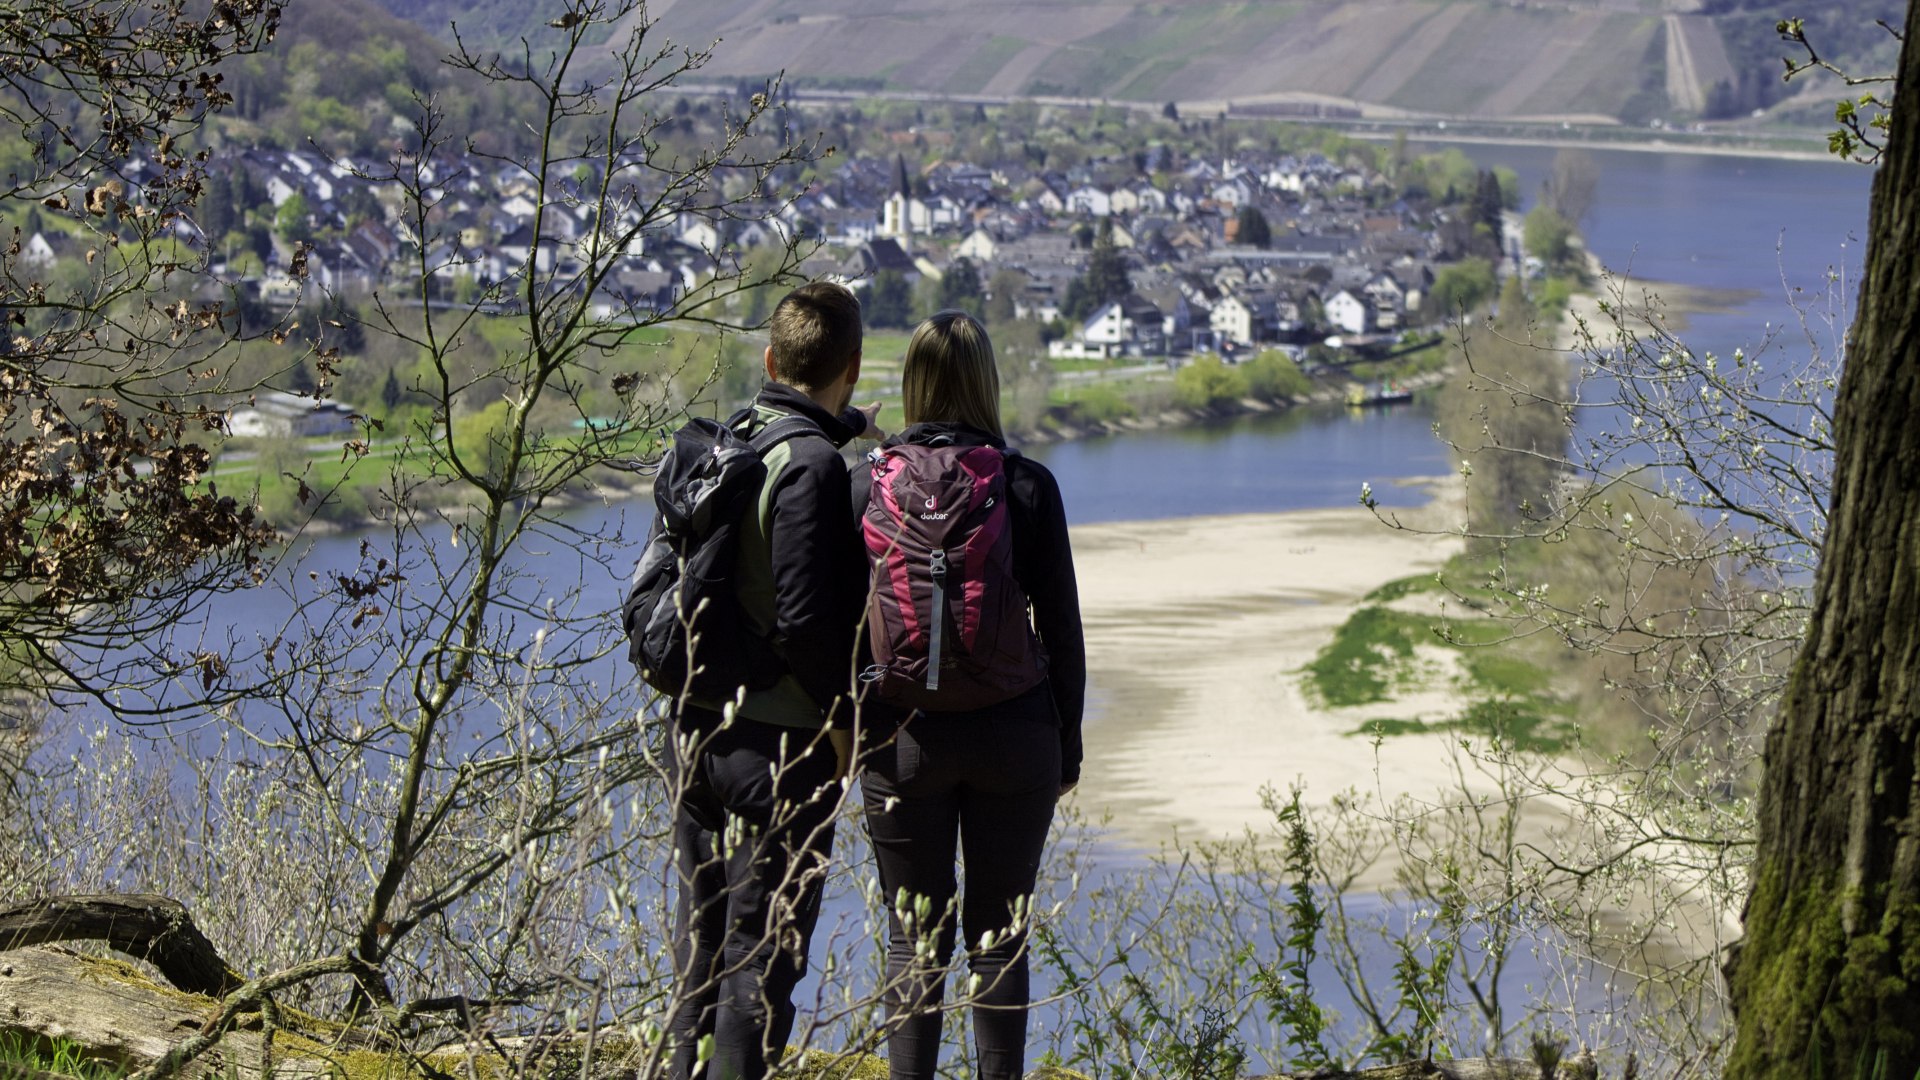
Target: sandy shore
<point x="1196" y="632"/>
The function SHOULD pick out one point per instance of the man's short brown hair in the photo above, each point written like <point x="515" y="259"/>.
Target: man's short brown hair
<point x="815" y="334"/>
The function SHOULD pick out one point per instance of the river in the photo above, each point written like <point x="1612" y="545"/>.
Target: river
<point x="1763" y="228"/>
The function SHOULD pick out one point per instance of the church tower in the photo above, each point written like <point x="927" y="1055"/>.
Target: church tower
<point x="893" y="215"/>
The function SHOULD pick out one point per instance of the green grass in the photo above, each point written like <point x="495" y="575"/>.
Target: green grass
<point x="1371" y="654"/>
<point x="20" y="1051"/>
<point x="1375" y="654"/>
<point x="347" y="485"/>
<point x="1084" y="363"/>
<point x="1432" y="358"/>
<point x="883" y="350"/>
<point x="1406" y="586"/>
<point x="1532" y="724"/>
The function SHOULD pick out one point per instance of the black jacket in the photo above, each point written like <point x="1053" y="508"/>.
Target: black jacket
<point x="1042" y="564"/>
<point x="819" y="566"/>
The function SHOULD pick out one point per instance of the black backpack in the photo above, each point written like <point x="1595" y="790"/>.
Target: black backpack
<point x="682" y="604"/>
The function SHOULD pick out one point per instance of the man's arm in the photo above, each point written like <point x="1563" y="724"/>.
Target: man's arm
<point x="819" y="575"/>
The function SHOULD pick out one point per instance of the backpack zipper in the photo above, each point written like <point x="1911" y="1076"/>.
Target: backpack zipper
<point x="938" y="565"/>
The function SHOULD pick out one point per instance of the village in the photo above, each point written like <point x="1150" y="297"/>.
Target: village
<point x="1153" y="257"/>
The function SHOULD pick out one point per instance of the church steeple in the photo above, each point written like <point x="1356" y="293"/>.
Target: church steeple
<point x="901" y="185"/>
<point x="894" y="214"/>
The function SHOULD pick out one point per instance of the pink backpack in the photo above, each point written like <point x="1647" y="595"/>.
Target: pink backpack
<point x="947" y="621"/>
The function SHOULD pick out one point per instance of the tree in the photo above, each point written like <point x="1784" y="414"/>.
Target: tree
<point x="290" y="221"/>
<point x="111" y="530"/>
<point x="1107" y="278"/>
<point x="391" y="393"/>
<point x="960" y="288"/>
<point x="1826" y="972"/>
<point x="1206" y="382"/>
<point x="1488" y="203"/>
<point x="1569" y="187"/>
<point x="508" y="779"/>
<point x="1273" y="376"/>
<point x="216" y="215"/>
<point x="1252" y="228"/>
<point x="1003" y="292"/>
<point x="1548" y="235"/>
<point x="1461" y="287"/>
<point x="889" y="300"/>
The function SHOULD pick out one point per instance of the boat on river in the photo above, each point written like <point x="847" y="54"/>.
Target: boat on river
<point x="1384" y="392"/>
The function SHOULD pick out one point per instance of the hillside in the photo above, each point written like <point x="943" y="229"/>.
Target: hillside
<point x="1627" y="60"/>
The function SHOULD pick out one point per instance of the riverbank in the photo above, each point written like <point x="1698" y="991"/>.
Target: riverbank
<point x="1329" y="391"/>
<point x="1635" y="145"/>
<point x="330" y="515"/>
<point x="1618" y="301"/>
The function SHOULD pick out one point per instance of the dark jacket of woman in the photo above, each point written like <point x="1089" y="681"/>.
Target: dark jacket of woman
<point x="1042" y="564"/>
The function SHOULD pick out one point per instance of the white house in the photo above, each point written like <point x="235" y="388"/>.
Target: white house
<point x="1349" y="313"/>
<point x="1234" y="192"/>
<point x="281" y="415"/>
<point x="518" y="206"/>
<point x="45" y="248"/>
<point x="1088" y="199"/>
<point x="1047" y="199"/>
<point x="979" y="246"/>
<point x="698" y="232"/>
<point x="1130" y="326"/>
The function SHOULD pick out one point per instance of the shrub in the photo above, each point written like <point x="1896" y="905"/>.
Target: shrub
<point x="1206" y="382"/>
<point x="1273" y="376"/>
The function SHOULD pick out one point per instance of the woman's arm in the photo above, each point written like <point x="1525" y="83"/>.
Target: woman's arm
<point x="1043" y="564"/>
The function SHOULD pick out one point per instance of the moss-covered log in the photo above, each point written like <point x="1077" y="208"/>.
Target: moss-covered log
<point x="120" y="1017"/>
<point x="1465" y="1069"/>
<point x="1827" y="980"/>
<point x="151" y="928"/>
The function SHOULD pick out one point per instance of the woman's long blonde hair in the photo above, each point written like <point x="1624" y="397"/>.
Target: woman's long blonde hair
<point x="949" y="374"/>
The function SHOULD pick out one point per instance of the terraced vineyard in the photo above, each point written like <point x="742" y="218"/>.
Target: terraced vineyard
<point x="1587" y="60"/>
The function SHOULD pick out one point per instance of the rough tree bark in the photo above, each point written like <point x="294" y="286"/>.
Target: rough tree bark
<point x="1829" y="973"/>
<point x="151" y="928"/>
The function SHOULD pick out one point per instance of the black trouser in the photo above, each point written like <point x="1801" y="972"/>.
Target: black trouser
<point x="752" y="831"/>
<point x="988" y="780"/>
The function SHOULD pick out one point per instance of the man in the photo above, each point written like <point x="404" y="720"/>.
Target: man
<point x="756" y="793"/>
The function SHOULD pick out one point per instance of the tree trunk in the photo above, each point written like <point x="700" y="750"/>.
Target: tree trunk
<point x="1828" y="976"/>
<point x="150" y="928"/>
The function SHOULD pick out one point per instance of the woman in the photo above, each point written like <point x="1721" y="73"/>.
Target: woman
<point x="977" y="745"/>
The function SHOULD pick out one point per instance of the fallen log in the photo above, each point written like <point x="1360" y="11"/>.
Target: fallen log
<point x="150" y="928"/>
<point x="119" y="1017"/>
<point x="1462" y="1069"/>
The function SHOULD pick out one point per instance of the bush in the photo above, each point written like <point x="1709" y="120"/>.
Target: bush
<point x="1100" y="405"/>
<point x="1555" y="294"/>
<point x="1462" y="287"/>
<point x="1273" y="376"/>
<point x="1548" y="235"/>
<point x="1206" y="382"/>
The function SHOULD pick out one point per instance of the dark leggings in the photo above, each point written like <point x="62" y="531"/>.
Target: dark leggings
<point x="984" y="782"/>
<point x="746" y="901"/>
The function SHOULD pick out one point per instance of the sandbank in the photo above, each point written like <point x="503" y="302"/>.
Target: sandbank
<point x="1197" y="629"/>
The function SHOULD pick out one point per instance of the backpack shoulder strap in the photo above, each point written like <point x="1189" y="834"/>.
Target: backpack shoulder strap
<point x="787" y="427"/>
